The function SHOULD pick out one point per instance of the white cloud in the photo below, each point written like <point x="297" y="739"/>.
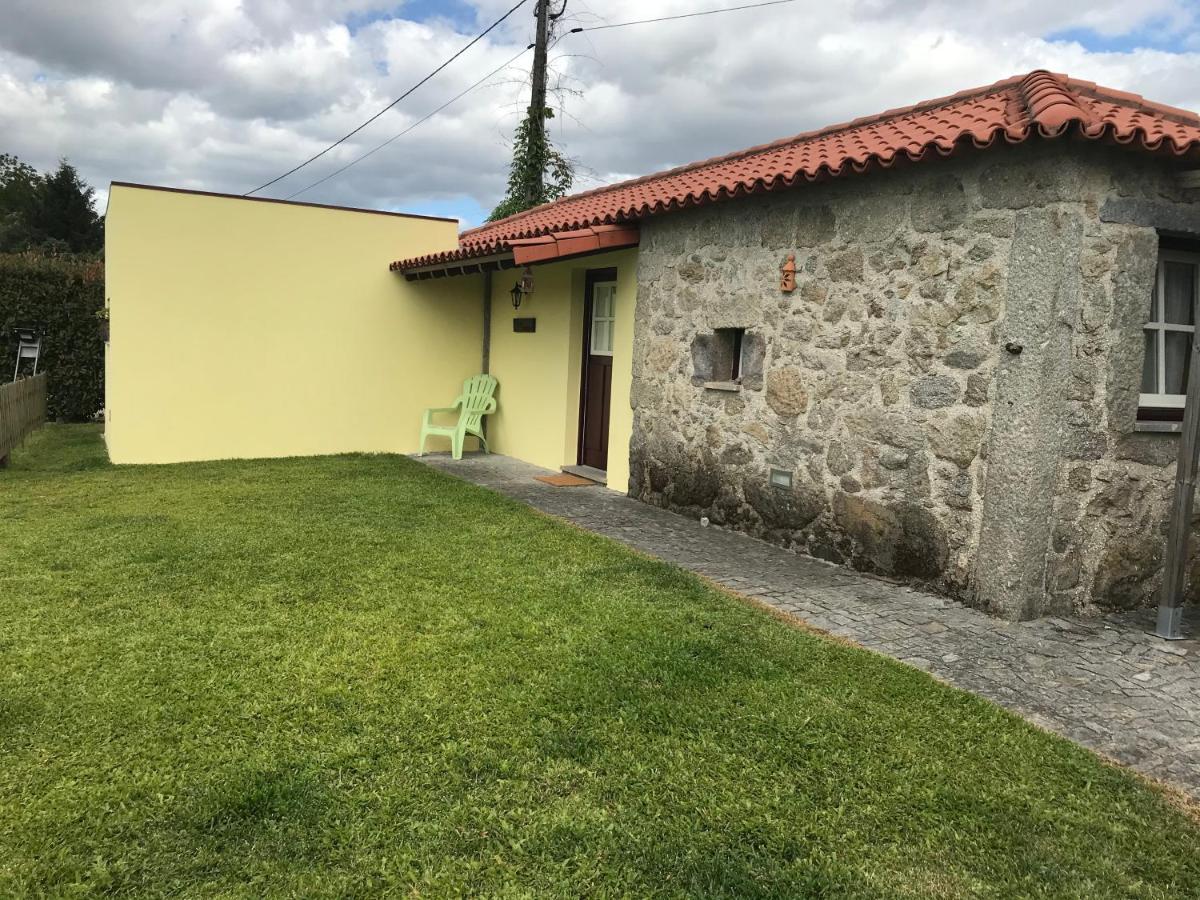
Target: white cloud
<point x="225" y="94"/>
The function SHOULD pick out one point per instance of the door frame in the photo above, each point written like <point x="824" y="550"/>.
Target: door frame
<point x="591" y="278"/>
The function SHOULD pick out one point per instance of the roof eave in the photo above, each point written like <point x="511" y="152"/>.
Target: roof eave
<point x="529" y="251"/>
<point x="453" y="267"/>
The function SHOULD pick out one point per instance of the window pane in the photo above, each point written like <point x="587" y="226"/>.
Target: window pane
<point x="1178" y="298"/>
<point x="603" y="310"/>
<point x="1150" y="364"/>
<point x="601" y="336"/>
<point x="1178" y="352"/>
<point x="602" y="302"/>
<point x="1153" y="317"/>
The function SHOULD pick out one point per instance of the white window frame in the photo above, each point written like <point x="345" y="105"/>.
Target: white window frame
<point x="610" y="320"/>
<point x="1159" y="326"/>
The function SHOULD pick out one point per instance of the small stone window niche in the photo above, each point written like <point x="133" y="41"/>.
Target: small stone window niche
<point x="727" y="355"/>
<point x="728" y="359"/>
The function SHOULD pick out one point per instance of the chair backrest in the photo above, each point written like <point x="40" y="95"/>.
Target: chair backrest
<point x="477" y="393"/>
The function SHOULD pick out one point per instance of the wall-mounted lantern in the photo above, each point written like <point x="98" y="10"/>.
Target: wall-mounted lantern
<point x="522" y="287"/>
<point x="787" y="279"/>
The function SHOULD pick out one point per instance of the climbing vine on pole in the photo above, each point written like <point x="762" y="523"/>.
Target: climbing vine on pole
<point x="539" y="172"/>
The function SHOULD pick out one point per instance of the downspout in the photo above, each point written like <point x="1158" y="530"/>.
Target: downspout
<point x="486" y="362"/>
<point x="485" y="368"/>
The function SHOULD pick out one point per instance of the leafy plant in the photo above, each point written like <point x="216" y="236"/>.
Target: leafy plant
<point x="538" y="169"/>
<point x="18" y="197"/>
<point x="64" y="296"/>
<point x="53" y="212"/>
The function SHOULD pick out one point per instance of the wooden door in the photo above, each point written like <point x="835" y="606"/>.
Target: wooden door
<point x="600" y="323"/>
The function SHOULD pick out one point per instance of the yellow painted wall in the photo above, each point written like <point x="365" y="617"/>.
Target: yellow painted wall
<point x="242" y="328"/>
<point x="620" y="428"/>
<point x="539" y="374"/>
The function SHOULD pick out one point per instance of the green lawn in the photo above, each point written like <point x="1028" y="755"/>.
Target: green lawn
<point x="349" y="676"/>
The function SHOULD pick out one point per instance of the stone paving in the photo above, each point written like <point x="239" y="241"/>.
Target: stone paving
<point x="1103" y="683"/>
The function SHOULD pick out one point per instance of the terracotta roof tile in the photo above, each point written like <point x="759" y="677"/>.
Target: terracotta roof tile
<point x="1010" y="111"/>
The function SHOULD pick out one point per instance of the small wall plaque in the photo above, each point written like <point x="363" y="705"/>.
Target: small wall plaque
<point x="525" y="325"/>
<point x="781" y="478"/>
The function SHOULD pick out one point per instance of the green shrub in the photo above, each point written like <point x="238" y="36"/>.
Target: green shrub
<point x="65" y="295"/>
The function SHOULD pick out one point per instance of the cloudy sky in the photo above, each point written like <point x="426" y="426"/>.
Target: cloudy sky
<point x="224" y="95"/>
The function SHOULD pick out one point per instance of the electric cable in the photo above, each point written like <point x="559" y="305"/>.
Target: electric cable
<point x="350" y="134"/>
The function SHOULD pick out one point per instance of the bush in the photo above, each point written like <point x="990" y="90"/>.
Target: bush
<point x="64" y="295"/>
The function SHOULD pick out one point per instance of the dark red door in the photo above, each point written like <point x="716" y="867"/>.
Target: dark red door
<point x="600" y="324"/>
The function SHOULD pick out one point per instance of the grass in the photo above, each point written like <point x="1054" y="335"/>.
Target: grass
<point x="350" y="676"/>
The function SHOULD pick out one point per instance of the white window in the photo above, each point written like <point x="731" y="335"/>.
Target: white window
<point x="1170" y="330"/>
<point x="604" y="317"/>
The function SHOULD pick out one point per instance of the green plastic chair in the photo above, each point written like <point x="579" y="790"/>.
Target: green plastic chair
<point x="475" y="402"/>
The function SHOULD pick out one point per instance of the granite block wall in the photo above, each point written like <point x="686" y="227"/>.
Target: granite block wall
<point x="952" y="386"/>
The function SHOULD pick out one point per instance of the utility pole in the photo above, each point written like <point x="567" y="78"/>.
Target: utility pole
<point x="537" y="103"/>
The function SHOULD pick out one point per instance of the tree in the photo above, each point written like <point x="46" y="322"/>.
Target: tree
<point x="53" y="212"/>
<point x="18" y="196"/>
<point x="538" y="173"/>
<point x="65" y="211"/>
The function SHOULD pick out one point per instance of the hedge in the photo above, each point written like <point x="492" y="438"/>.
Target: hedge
<point x="65" y="295"/>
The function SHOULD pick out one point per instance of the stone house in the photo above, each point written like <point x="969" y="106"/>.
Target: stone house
<point x="953" y="391"/>
<point x="968" y="386"/>
<point x="973" y="378"/>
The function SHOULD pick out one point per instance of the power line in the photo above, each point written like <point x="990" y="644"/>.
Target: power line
<point x="350" y="134"/>
<point x="478" y="83"/>
<point x="420" y="121"/>
<point x="706" y="12"/>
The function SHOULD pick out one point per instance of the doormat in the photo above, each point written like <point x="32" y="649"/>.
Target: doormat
<point x="563" y="480"/>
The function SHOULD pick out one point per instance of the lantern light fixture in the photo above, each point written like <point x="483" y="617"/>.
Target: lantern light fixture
<point x="522" y="287"/>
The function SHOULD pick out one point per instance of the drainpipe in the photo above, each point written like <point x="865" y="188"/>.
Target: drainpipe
<point x="487" y="323"/>
<point x="486" y="363"/>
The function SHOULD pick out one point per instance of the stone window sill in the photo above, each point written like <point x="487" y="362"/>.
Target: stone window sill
<point x="731" y="386"/>
<point x="1158" y="427"/>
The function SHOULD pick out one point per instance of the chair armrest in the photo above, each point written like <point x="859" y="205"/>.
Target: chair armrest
<point x="429" y="413"/>
<point x="490" y="408"/>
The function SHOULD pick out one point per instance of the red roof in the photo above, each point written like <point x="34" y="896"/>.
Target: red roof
<point x="1011" y="111"/>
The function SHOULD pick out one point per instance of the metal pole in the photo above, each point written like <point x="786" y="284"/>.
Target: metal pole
<point x="1170" y="602"/>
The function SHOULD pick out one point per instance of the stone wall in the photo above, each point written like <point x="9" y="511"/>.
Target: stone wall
<point x="952" y="385"/>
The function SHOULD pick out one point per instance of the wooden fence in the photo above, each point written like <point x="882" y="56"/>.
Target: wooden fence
<point x="22" y="409"/>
